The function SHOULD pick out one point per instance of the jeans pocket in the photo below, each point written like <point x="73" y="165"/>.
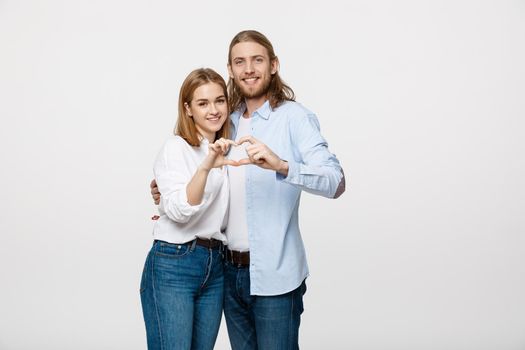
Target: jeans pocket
<point x="172" y="250"/>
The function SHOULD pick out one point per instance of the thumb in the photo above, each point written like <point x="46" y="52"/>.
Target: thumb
<point x="244" y="161"/>
<point x="231" y="162"/>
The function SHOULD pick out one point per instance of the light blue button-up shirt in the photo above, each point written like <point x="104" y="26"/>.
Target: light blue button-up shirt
<point x="277" y="256"/>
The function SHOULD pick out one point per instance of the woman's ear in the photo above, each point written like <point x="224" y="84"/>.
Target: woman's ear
<point x="188" y="110"/>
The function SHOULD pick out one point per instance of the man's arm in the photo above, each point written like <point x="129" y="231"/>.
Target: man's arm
<point x="314" y="168"/>
<point x="155" y="194"/>
<point x="317" y="171"/>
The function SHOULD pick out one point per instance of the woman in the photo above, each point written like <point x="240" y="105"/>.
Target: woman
<point x="182" y="283"/>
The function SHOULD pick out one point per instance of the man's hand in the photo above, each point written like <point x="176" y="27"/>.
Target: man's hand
<point x="155" y="192"/>
<point x="262" y="156"/>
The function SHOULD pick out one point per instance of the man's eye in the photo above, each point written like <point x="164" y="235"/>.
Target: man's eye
<point x="258" y="60"/>
<point x="239" y="62"/>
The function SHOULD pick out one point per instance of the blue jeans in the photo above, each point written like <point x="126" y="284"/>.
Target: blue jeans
<point x="260" y="322"/>
<point x="182" y="295"/>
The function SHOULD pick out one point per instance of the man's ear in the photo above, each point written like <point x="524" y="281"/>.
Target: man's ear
<point x="275" y="66"/>
<point x="230" y="72"/>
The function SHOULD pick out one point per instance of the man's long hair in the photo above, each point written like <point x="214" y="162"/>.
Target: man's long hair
<point x="278" y="91"/>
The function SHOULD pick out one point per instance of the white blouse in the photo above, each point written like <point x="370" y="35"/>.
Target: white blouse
<point x="179" y="221"/>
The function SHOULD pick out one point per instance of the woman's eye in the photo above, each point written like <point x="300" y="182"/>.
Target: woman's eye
<point x="202" y="104"/>
<point x="221" y="101"/>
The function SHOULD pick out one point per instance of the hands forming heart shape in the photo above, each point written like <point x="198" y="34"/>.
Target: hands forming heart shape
<point x="258" y="154"/>
<point x="237" y="152"/>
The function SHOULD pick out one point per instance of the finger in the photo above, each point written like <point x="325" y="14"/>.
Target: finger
<point x="248" y="138"/>
<point x="213" y="150"/>
<point x="227" y="141"/>
<point x="153" y="184"/>
<point x="231" y="162"/>
<point x="260" y="155"/>
<point x="258" y="146"/>
<point x="244" y="161"/>
<point x="224" y="144"/>
<point x="215" y="147"/>
<point x="253" y="152"/>
<point x="218" y="149"/>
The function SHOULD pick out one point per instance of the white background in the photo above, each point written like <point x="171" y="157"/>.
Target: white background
<point x="423" y="103"/>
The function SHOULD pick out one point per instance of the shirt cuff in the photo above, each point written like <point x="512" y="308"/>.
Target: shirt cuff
<point x="180" y="206"/>
<point x="183" y="199"/>
<point x="293" y="172"/>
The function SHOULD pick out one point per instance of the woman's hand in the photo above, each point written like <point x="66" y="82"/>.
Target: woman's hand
<point x="216" y="155"/>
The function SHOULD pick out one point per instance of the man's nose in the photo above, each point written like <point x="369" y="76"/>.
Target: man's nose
<point x="249" y="66"/>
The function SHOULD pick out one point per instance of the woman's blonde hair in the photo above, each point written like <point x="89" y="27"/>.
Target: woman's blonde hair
<point x="185" y="126"/>
<point x="278" y="91"/>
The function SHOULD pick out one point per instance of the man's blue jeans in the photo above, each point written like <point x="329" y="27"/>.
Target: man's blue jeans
<point x="260" y="322"/>
<point x="182" y="295"/>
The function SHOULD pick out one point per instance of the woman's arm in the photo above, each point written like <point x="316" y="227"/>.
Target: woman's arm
<point x="215" y="159"/>
<point x="179" y="192"/>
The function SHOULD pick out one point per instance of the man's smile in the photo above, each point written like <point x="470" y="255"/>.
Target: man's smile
<point x="250" y="81"/>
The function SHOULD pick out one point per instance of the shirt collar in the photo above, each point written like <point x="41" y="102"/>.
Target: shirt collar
<point x="263" y="111"/>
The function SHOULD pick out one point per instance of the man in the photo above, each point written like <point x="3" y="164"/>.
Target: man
<point x="266" y="266"/>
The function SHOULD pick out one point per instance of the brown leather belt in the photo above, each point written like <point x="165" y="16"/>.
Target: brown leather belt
<point x="208" y="243"/>
<point x="241" y="259"/>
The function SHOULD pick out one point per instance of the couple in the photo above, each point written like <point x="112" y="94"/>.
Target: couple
<point x="228" y="189"/>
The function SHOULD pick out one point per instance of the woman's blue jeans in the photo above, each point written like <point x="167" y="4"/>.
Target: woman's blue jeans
<point x="182" y="296"/>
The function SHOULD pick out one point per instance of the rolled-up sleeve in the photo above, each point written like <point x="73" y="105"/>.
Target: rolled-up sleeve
<point x="173" y="175"/>
<point x="314" y="169"/>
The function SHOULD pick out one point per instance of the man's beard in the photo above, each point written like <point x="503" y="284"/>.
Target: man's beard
<point x="263" y="90"/>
